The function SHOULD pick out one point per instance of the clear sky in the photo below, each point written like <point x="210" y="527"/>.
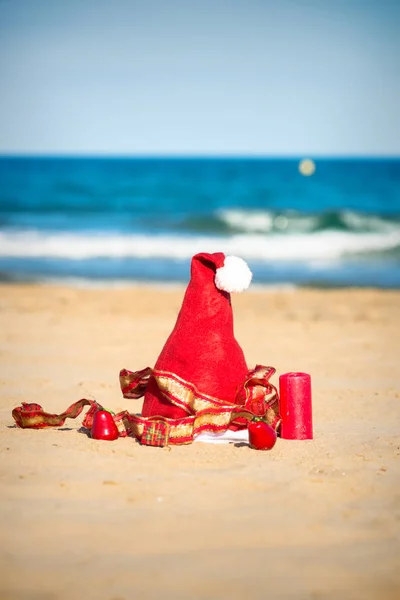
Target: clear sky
<point x="200" y="77"/>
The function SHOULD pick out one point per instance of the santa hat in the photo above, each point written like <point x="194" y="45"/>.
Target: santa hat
<point x="202" y="350"/>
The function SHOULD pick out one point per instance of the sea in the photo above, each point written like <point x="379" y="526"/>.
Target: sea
<point x="115" y="221"/>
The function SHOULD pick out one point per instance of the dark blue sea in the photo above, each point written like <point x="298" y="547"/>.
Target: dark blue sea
<point x="119" y="220"/>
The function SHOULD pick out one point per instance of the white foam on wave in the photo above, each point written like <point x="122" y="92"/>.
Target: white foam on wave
<point x="126" y="284"/>
<point x="255" y="221"/>
<point x="107" y="284"/>
<point x="264" y="221"/>
<point x="319" y="246"/>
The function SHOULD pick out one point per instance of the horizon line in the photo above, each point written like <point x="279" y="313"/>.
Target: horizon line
<point x="203" y="156"/>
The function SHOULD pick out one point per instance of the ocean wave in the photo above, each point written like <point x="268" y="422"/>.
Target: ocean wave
<point x="288" y="222"/>
<point x="318" y="246"/>
<point x="221" y="222"/>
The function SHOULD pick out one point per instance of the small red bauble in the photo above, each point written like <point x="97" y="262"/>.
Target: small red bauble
<point x="261" y="435"/>
<point x="103" y="427"/>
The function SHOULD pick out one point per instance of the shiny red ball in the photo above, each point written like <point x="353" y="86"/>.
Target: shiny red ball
<point x="103" y="427"/>
<point x="261" y="435"/>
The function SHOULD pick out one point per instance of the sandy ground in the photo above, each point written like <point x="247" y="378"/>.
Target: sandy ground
<point x="97" y="520"/>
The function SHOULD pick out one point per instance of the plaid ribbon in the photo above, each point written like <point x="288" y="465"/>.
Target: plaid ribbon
<point x="32" y="416"/>
<point x="261" y="397"/>
<point x="256" y="396"/>
<point x="155" y="433"/>
<point x="133" y="385"/>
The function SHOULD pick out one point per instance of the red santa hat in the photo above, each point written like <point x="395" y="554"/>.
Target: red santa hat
<point x="202" y="350"/>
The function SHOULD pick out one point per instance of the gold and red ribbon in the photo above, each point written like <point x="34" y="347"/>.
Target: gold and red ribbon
<point x="32" y="416"/>
<point x="256" y="396"/>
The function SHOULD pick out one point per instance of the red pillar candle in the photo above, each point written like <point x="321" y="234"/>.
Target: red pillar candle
<point x="295" y="406"/>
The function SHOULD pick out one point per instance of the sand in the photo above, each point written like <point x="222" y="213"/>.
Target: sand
<point x="97" y="520"/>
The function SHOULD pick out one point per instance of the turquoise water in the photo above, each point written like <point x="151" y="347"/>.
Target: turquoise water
<point x="129" y="219"/>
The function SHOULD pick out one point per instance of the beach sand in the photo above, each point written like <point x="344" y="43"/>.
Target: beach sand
<point x="97" y="520"/>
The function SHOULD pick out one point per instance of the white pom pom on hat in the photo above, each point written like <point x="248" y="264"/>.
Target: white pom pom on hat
<point x="234" y="276"/>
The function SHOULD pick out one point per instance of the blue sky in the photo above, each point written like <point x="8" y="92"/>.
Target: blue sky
<point x="291" y="77"/>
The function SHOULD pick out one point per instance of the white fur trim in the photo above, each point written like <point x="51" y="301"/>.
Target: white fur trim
<point x="234" y="276"/>
<point x="222" y="437"/>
